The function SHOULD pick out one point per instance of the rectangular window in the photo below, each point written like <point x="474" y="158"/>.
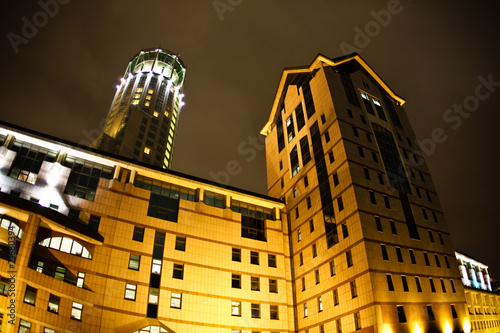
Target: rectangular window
<point x="348" y="256"/>
<point x="441" y="240"/>
<point x="53" y="305"/>
<point x="306" y="181"/>
<point x="345" y="231"/>
<point x="178" y="272"/>
<point x="273" y="286"/>
<point x="405" y="283"/>
<point x="327" y="137"/>
<point x="294" y="161"/>
<point x="235" y="308"/>
<point x="254" y="258"/>
<point x="154" y="294"/>
<point x="320" y="304"/>
<point x="163" y="207"/>
<point x="378" y="223"/>
<point x="412" y="257"/>
<point x="134" y="262"/>
<point x="76" y="311"/>
<point x="380" y="178"/>
<point x="367" y="173"/>
<point x="339" y="326"/>
<point x="255" y="283"/>
<point x="335" y="179"/>
<point x="385" y="255"/>
<point x="290" y="128"/>
<point x="354" y="290"/>
<point x="176" y="300"/>
<point x="271" y="260"/>
<point x="436" y="257"/>
<point x="28" y="161"/>
<point x="180" y="243"/>
<point x="253" y="228"/>
<point x="94" y="222"/>
<point x="426" y="258"/>
<point x="130" y="291"/>
<point x="60" y="272"/>
<point x="366" y="102"/>
<point x="306" y="313"/>
<point x="355" y="131"/>
<point x="374" y="157"/>
<point x="214" y="200"/>
<point x="340" y="203"/>
<point x="236" y="254"/>
<point x="332" y="268"/>
<point x="430" y="313"/>
<point x="390" y="285"/>
<point x="314" y="251"/>
<point x="331" y="158"/>
<point x="24" y="326"/>
<point x="305" y="151"/>
<point x="357" y="321"/>
<point x="273" y="312"/>
<point x="399" y="254"/>
<point x="443" y="287"/>
<point x="454" y="311"/>
<point x="30" y="295"/>
<point x="46" y="330"/>
<point x="417" y="282"/>
<point x="156" y="266"/>
<point x="303" y="283"/>
<point x="387" y="202"/>
<point x="280" y="133"/>
<point x="380" y="110"/>
<point x="308" y="202"/>
<point x="311" y="225"/>
<point x="401" y="314"/>
<point x="361" y="152"/>
<point x="316" y="273"/>
<point x="368" y="137"/>
<point x="431" y="236"/>
<point x="453" y="286"/>
<point x="393" y="227"/>
<point x="373" y="200"/>
<point x="335" y="297"/>
<point x="236" y="281"/>
<point x="138" y="234"/>
<point x="84" y="177"/>
<point x="431" y="282"/>
<point x="301" y="259"/>
<point x="255" y="310"/>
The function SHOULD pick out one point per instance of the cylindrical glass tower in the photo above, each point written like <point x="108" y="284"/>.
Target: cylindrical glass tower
<point x="142" y="121"/>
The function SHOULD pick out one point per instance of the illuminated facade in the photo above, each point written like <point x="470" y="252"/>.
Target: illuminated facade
<point x="482" y="303"/>
<point x="106" y="244"/>
<point x="370" y="248"/>
<point x="142" y="120"/>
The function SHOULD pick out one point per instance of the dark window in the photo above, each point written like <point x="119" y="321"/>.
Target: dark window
<point x="447" y="262"/>
<point x="453" y="286"/>
<point x="335" y="179"/>
<point x="355" y="131"/>
<point x="387" y="202"/>
<point x="424" y="212"/>
<point x="138" y="234"/>
<point x="345" y="232"/>
<point x="332" y="268"/>
<point x="311" y="225"/>
<point x="236" y="281"/>
<point x="393" y="227"/>
<point x="163" y="207"/>
<point x="304" y="149"/>
<point x="180" y="243"/>
<point x="361" y="152"/>
<point x="431" y="236"/>
<point x="348" y="256"/>
<point x="405" y="283"/>
<point x="454" y="312"/>
<point x="340" y="204"/>
<point x="374" y="157"/>
<point x="441" y="240"/>
<point x="380" y="110"/>
<point x="253" y="228"/>
<point x="299" y="116"/>
<point x="436" y="257"/>
<point x="430" y="313"/>
<point x="323" y="119"/>
<point x="443" y="287"/>
<point x="431" y="282"/>
<point x="378" y="223"/>
<point x="354" y="290"/>
<point x="306" y="181"/>
<point x="363" y="119"/>
<point x="271" y="260"/>
<point x="385" y="255"/>
<point x="308" y="202"/>
<point x="349" y="113"/>
<point x="366" y="102"/>
<point x="178" y="272"/>
<point x="417" y="282"/>
<point x="303" y="283"/>
<point x="317" y="276"/>
<point x="399" y="254"/>
<point x="434" y="216"/>
<point x="392" y="112"/>
<point x="418" y="192"/>
<point x="426" y="258"/>
<point x="367" y="173"/>
<point x="279" y="132"/>
<point x="314" y="251"/>
<point x="215" y="200"/>
<point x="327" y="137"/>
<point x="236" y="254"/>
<point x="335" y="297"/>
<point x="254" y="258"/>
<point x="401" y="314"/>
<point x="301" y="259"/>
<point x="273" y="286"/>
<point x="74" y="214"/>
<point x="428" y="196"/>
<point x="390" y="285"/>
<point x="350" y="92"/>
<point x="94" y="222"/>
<point x="28" y="161"/>
<point x="412" y="257"/>
<point x="273" y="312"/>
<point x="368" y="137"/>
<point x="330" y="157"/>
<point x="281" y="165"/>
<point x="255" y="310"/>
<point x="373" y="200"/>
<point x="84" y="177"/>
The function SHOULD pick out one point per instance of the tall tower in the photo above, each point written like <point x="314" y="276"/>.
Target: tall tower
<point x="369" y="246"/>
<point x="142" y="120"/>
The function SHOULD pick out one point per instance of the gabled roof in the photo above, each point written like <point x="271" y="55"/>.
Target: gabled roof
<point x="319" y="62"/>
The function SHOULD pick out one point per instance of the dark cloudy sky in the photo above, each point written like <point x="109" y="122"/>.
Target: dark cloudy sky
<point x="62" y="79"/>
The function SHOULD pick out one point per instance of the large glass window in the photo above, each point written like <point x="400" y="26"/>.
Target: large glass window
<point x="30" y="295"/>
<point x="162" y="207"/>
<point x="84" y="177"/>
<point x="28" y="161"/>
<point x="294" y="161"/>
<point x="53" y="305"/>
<point x="176" y="300"/>
<point x="67" y="245"/>
<point x="290" y="128"/>
<point x="130" y="291"/>
<point x="305" y="151"/>
<point x="165" y="189"/>
<point x="215" y="200"/>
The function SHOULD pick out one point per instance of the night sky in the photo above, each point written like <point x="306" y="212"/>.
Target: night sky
<point x="60" y="78"/>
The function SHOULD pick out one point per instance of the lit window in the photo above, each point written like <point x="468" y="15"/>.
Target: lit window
<point x="130" y="291"/>
<point x="139" y="90"/>
<point x="24" y="326"/>
<point x="156" y="114"/>
<point x="76" y="311"/>
<point x="134" y="262"/>
<point x="176" y="300"/>
<point x="236" y="309"/>
<point x="255" y="283"/>
<point x="273" y="286"/>
<point x="80" y="279"/>
<point x="48" y="330"/>
<point x="53" y="305"/>
<point x="12" y="227"/>
<point x="255" y="310"/>
<point x="156" y="267"/>
<point x="60" y="273"/>
<point x="135" y="102"/>
<point x="39" y="266"/>
<point x="148" y="97"/>
<point x="67" y="245"/>
<point x="137" y="96"/>
<point x="153" y="295"/>
<point x="320" y="304"/>
<point x="147" y="150"/>
<point x="306" y="313"/>
<point x="147" y="103"/>
<point x="150" y="91"/>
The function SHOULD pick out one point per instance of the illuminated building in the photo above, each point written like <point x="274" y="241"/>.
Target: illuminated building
<point x="142" y="120"/>
<point x="483" y="304"/>
<point x="370" y="248"/>
<point x="107" y="244"/>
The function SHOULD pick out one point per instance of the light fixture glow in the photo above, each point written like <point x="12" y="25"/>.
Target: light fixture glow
<point x="447" y="328"/>
<point x="466" y="326"/>
<point x="417" y="329"/>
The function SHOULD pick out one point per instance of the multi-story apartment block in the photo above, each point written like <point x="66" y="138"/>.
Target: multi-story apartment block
<point x="142" y="120"/>
<point x="483" y="304"/>
<point x="370" y="248"/>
